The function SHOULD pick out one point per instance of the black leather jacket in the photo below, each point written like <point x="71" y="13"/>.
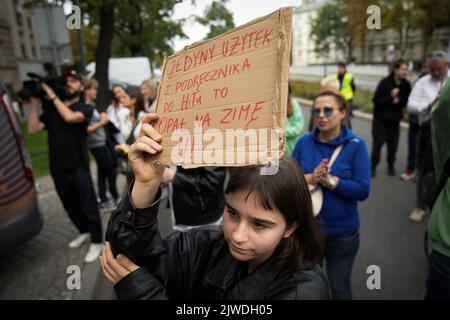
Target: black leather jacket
<point x="198" y="195"/>
<point x="197" y="265"/>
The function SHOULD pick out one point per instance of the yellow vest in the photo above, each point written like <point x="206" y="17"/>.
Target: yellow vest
<point x="346" y="88"/>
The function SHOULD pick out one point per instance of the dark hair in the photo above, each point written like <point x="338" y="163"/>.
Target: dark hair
<point x="135" y="93"/>
<point x="287" y="192"/>
<point x="116" y="101"/>
<point x="339" y="99"/>
<point x="398" y="63"/>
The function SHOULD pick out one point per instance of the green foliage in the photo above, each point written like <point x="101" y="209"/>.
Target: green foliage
<point x="333" y="27"/>
<point x="327" y="28"/>
<point x="146" y="28"/>
<point x="218" y="18"/>
<point x="303" y="89"/>
<point x="308" y="90"/>
<point x="38" y="149"/>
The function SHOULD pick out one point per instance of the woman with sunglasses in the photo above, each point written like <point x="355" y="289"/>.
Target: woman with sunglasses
<point x="345" y="183"/>
<point x="269" y="247"/>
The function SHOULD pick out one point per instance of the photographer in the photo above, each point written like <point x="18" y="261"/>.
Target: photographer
<point x="66" y="118"/>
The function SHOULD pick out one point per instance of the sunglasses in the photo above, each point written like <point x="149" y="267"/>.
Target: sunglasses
<point x="327" y="111"/>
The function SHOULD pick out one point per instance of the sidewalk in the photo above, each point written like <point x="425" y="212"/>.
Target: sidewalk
<point x="90" y="272"/>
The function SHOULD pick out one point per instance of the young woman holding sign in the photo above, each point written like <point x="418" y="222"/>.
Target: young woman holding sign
<point x="343" y="183"/>
<point x="269" y="247"/>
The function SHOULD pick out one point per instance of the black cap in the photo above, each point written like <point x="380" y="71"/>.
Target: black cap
<point x="73" y="74"/>
<point x="342" y="64"/>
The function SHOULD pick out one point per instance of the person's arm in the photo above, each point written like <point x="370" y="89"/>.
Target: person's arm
<point x="307" y="285"/>
<point x="416" y="104"/>
<point x="64" y="111"/>
<point x="296" y="155"/>
<point x="294" y="126"/>
<point x="358" y="187"/>
<point x="352" y="83"/>
<point x="382" y="96"/>
<point x="34" y="125"/>
<point x="404" y="94"/>
<point x="95" y="126"/>
<point x="317" y="174"/>
<point x="168" y="266"/>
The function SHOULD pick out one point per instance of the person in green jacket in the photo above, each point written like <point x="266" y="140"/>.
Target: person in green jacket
<point x="438" y="282"/>
<point x="294" y="123"/>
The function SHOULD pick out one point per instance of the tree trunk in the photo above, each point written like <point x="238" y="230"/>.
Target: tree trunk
<point x="427" y="33"/>
<point x="103" y="53"/>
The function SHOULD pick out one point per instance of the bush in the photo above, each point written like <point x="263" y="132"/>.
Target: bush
<point x="308" y="90"/>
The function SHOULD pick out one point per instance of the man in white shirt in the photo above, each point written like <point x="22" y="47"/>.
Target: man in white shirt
<point x="426" y="90"/>
<point x="423" y="96"/>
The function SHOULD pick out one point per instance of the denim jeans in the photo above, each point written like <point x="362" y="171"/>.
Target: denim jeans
<point x="340" y="253"/>
<point x="438" y="282"/>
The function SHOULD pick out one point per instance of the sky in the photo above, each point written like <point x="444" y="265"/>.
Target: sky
<point x="243" y="11"/>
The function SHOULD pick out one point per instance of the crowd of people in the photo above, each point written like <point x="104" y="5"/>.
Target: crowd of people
<point x="75" y="129"/>
<point x="242" y="235"/>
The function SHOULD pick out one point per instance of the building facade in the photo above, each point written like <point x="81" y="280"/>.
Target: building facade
<point x="19" y="44"/>
<point x="381" y="46"/>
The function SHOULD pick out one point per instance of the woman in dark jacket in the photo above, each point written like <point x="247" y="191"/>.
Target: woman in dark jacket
<point x="269" y="247"/>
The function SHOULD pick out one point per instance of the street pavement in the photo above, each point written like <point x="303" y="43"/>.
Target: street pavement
<point x="37" y="269"/>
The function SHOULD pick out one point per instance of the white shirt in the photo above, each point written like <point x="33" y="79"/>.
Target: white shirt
<point x="127" y="125"/>
<point x="117" y="116"/>
<point x="425" y="90"/>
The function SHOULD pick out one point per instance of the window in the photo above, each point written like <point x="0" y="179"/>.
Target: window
<point x="23" y="49"/>
<point x="2" y="56"/>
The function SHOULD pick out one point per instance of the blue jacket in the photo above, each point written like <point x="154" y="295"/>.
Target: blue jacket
<point x="339" y="213"/>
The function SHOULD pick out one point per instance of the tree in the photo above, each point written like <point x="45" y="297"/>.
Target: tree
<point x="90" y="41"/>
<point x="356" y="26"/>
<point x="141" y="27"/>
<point x="103" y="53"/>
<point x="430" y="16"/>
<point x="329" y="28"/>
<point x="150" y="24"/>
<point x="217" y="18"/>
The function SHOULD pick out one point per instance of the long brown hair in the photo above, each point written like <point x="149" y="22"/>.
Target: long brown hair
<point x="287" y="192"/>
<point x="139" y="106"/>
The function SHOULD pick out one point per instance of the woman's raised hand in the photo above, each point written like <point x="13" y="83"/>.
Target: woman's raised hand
<point x="142" y="152"/>
<point x="147" y="172"/>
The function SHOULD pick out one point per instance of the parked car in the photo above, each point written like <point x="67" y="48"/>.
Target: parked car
<point x="20" y="218"/>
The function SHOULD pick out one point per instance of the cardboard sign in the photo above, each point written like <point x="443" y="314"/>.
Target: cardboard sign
<point x="222" y="102"/>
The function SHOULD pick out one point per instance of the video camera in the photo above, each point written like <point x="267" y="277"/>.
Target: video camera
<point x="33" y="87"/>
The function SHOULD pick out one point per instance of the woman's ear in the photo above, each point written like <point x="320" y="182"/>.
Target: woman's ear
<point x="343" y="113"/>
<point x="290" y="230"/>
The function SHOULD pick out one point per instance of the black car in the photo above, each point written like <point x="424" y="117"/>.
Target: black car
<point x="20" y="218"/>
